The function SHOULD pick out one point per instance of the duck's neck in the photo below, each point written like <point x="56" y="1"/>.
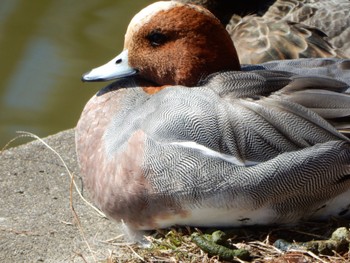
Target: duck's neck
<point x="153" y="89"/>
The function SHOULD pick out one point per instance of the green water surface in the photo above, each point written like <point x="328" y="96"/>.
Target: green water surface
<point x="45" y="46"/>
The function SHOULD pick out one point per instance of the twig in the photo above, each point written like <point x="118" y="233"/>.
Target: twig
<point x="114" y="238"/>
<point x="12" y="140"/>
<point x="137" y="255"/>
<point x="315" y="256"/>
<point x="72" y="183"/>
<point x="28" y="134"/>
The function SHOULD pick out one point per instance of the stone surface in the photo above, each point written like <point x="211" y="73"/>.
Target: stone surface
<point x="36" y="220"/>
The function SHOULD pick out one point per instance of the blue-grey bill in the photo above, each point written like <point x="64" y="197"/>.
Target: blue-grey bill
<point x="114" y="69"/>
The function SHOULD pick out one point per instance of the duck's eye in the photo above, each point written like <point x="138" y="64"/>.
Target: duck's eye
<point x="156" y="38"/>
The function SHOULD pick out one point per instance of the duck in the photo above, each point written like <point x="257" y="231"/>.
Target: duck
<point x="330" y="16"/>
<point x="185" y="135"/>
<point x="284" y="29"/>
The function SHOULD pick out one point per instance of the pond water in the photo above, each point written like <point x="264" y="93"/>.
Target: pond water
<point x="45" y="47"/>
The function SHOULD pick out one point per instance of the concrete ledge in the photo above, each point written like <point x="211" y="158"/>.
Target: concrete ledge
<point x="36" y="221"/>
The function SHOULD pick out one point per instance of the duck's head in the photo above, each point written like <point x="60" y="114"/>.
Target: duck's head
<point x="171" y="43"/>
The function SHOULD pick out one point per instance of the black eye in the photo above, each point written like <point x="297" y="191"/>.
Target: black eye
<point x="156" y="38"/>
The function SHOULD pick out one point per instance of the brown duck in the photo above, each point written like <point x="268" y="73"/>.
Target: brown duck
<point x="285" y="29"/>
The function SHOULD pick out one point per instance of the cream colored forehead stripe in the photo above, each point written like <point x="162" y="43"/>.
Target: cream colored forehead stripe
<point x="145" y="15"/>
<point x="148" y="12"/>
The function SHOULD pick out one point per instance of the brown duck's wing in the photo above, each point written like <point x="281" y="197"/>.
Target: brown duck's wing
<point x="258" y="40"/>
<point x="280" y="9"/>
<point x="331" y="17"/>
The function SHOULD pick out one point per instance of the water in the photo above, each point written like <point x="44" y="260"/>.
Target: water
<point x="45" y="46"/>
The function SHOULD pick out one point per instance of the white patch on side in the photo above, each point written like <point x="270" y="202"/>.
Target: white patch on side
<point x="334" y="207"/>
<point x="209" y="152"/>
<point x="234" y="217"/>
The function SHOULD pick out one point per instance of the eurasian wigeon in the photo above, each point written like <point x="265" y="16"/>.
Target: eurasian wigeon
<point x="265" y="30"/>
<point x="185" y="138"/>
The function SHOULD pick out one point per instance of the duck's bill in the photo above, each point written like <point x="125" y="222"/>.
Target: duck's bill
<point x="114" y="69"/>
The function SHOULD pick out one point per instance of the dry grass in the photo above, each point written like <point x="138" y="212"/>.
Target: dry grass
<point x="176" y="245"/>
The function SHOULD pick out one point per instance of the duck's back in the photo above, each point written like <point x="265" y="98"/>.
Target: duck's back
<point x="338" y="69"/>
